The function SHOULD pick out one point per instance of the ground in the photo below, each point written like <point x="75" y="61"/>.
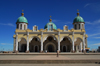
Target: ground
<point x="50" y="56"/>
<point x="49" y="64"/>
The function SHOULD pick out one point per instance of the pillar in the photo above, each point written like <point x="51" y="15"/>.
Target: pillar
<point x="84" y="42"/>
<point x="59" y="41"/>
<point x="27" y="42"/>
<point x="81" y="47"/>
<point x="16" y="42"/>
<point x="73" y="42"/>
<point x="41" y="42"/>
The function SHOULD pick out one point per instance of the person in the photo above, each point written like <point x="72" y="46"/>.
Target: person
<point x="57" y="53"/>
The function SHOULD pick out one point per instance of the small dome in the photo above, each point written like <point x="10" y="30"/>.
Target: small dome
<point x="54" y="26"/>
<point x="78" y="19"/>
<point x="22" y="19"/>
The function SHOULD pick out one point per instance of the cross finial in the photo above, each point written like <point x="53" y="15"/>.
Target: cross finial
<point x="50" y="17"/>
<point x="22" y="11"/>
<point x="77" y="10"/>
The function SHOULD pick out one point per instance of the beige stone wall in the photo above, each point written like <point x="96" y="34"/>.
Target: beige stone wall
<point x="31" y="36"/>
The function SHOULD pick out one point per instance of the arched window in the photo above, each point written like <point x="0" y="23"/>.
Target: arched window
<point x="35" y="28"/>
<point x="20" y="26"/>
<point x="82" y="26"/>
<point x="50" y="27"/>
<point x="79" y="26"/>
<point x="75" y="26"/>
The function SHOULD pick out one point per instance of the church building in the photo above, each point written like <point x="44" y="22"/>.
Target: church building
<point x="50" y="39"/>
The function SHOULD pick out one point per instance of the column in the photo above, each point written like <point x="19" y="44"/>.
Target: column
<point x="19" y="26"/>
<point x="27" y="42"/>
<point x="14" y="46"/>
<point x="73" y="42"/>
<point x="81" y="47"/>
<point x="84" y="42"/>
<point x="41" y="41"/>
<point x="59" y="41"/>
<point x="16" y="42"/>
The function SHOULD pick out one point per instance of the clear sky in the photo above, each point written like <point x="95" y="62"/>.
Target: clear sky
<point x="37" y="13"/>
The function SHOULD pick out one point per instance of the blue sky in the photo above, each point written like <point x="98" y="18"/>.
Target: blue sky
<point x="37" y="13"/>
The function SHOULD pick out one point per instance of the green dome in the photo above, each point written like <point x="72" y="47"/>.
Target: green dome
<point x="22" y="19"/>
<point x="54" y="26"/>
<point x="78" y="19"/>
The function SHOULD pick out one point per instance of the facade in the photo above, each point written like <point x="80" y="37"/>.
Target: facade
<point x="50" y="38"/>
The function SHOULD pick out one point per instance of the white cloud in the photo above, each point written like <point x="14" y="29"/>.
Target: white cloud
<point x="94" y="22"/>
<point x="68" y="23"/>
<point x="5" y="44"/>
<point x="97" y="44"/>
<point x="97" y="37"/>
<point x="88" y="22"/>
<point x="55" y="20"/>
<point x="93" y="6"/>
<point x="86" y="5"/>
<point x="9" y="24"/>
<point x="97" y="21"/>
<point x="94" y="34"/>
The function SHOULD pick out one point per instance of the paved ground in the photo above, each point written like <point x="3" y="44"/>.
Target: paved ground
<point x="49" y="57"/>
<point x="49" y="64"/>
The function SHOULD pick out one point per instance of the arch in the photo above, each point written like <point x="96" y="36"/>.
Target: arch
<point x="34" y="37"/>
<point x="67" y="42"/>
<point x="78" y="44"/>
<point x="21" y="39"/>
<point x="66" y="37"/>
<point x="50" y="43"/>
<point x="45" y="38"/>
<point x="22" y="45"/>
<point x="78" y="38"/>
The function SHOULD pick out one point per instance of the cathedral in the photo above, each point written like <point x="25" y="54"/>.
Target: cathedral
<point x="50" y="38"/>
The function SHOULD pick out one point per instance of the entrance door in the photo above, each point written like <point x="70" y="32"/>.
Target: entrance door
<point x="64" y="48"/>
<point x="36" y="49"/>
<point x="23" y="48"/>
<point x="50" y="48"/>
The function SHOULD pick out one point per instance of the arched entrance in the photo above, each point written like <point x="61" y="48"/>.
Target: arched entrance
<point x="22" y="45"/>
<point x="35" y="44"/>
<point x="78" y="45"/>
<point x="65" y="45"/>
<point x="50" y="48"/>
<point x="50" y="44"/>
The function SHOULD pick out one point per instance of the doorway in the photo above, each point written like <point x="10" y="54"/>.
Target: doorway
<point x="64" y="48"/>
<point x="50" y="48"/>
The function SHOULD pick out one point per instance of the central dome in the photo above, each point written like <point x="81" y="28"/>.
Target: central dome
<point x="54" y="26"/>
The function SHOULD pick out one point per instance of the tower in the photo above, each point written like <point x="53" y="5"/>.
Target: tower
<point x="50" y="25"/>
<point x="22" y="22"/>
<point x="78" y="22"/>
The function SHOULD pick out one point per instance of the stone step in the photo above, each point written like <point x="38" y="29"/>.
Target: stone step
<point x="49" y="54"/>
<point x="49" y="61"/>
